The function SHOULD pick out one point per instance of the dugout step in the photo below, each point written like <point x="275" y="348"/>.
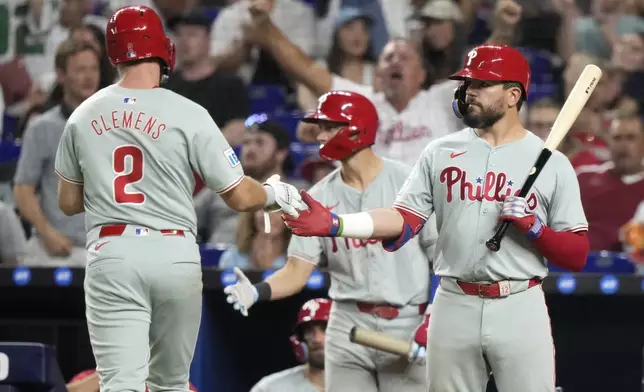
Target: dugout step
<point x="30" y="367"/>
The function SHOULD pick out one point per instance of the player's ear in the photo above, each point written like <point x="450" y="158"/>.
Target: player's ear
<point x="60" y="77"/>
<point x="514" y="96"/>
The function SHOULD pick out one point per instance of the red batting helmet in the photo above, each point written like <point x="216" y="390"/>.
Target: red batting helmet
<point x="317" y="309"/>
<point x="491" y="62"/>
<point x="135" y="33"/>
<point x="351" y="109"/>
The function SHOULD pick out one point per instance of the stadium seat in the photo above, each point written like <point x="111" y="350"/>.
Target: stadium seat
<point x="9" y="128"/>
<point x="211" y="12"/>
<point x="267" y="98"/>
<point x="32" y="367"/>
<point x="210" y="254"/>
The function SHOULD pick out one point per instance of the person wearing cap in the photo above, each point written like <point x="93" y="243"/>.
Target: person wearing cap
<point x="410" y="116"/>
<point x="199" y="78"/>
<point x="264" y="152"/>
<point x="350" y="55"/>
<point x="436" y="26"/>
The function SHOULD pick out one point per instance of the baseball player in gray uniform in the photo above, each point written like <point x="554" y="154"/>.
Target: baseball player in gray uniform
<point x="370" y="287"/>
<point x="126" y="158"/>
<point x="308" y="346"/>
<point x="489" y="313"/>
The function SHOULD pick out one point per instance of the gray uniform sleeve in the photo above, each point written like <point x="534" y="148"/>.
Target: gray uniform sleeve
<point x="415" y="196"/>
<point x="308" y="249"/>
<point x="428" y="237"/>
<point x="13" y="244"/>
<point x="67" y="164"/>
<point x="212" y="157"/>
<point x="32" y="155"/>
<point x="566" y="212"/>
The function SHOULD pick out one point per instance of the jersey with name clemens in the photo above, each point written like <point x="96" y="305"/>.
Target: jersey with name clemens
<point x="464" y="180"/>
<point x="362" y="270"/>
<point x="136" y="152"/>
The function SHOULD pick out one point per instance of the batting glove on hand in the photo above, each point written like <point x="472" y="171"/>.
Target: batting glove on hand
<point x="316" y="221"/>
<point x="242" y="294"/>
<point x="418" y="348"/>
<point x="287" y="198"/>
<point x="515" y="210"/>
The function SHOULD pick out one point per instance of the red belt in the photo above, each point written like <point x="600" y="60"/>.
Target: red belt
<point x="117" y="230"/>
<point x="388" y="312"/>
<point x="490" y="290"/>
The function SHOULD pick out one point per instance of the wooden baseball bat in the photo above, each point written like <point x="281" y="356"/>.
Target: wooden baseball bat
<point x="575" y="102"/>
<point x="379" y="341"/>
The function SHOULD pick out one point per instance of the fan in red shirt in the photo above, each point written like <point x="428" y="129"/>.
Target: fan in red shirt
<point x="611" y="192"/>
<point x="87" y="381"/>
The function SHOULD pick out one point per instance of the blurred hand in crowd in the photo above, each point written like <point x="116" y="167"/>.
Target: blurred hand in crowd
<point x="507" y="15"/>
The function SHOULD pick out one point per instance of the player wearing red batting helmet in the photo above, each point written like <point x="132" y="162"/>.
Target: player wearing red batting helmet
<point x="472" y="180"/>
<point x="308" y="344"/>
<point x="373" y="285"/>
<point x="136" y="33"/>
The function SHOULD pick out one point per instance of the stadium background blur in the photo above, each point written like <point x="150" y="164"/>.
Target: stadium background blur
<point x="257" y="107"/>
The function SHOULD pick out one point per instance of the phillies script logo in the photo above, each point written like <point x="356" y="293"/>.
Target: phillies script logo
<point x="494" y="187"/>
<point x="351" y="243"/>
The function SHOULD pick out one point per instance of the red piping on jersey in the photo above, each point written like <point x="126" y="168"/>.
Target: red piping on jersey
<point x="565" y="249"/>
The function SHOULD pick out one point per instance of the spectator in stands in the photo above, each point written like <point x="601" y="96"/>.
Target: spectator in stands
<point x="72" y="14"/>
<point x="611" y="192"/>
<point x="58" y="239"/>
<point x="599" y="32"/>
<point x="199" y="78"/>
<point x="92" y="34"/>
<point x="314" y="169"/>
<point x="628" y="56"/>
<point x="541" y="117"/>
<point x="350" y="55"/>
<point x="308" y="344"/>
<point x="231" y="46"/>
<point x="254" y="248"/>
<point x="442" y="46"/>
<point x="410" y="117"/>
<point x="13" y="244"/>
<point x="632" y="237"/>
<point x="265" y="152"/>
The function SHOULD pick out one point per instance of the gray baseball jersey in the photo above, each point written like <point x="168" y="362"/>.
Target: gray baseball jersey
<point x="289" y="380"/>
<point x="462" y="179"/>
<point x="361" y="270"/>
<point x="136" y="150"/>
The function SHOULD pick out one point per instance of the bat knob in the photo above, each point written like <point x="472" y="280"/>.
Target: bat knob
<point x="352" y="334"/>
<point x="493" y="244"/>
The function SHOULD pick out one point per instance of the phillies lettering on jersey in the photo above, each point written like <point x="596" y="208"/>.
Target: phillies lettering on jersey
<point x="402" y="136"/>
<point x="137" y="157"/>
<point x="463" y="179"/>
<point x="362" y="270"/>
<point x="491" y="187"/>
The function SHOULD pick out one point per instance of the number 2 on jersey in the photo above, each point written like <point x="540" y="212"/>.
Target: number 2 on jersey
<point x="124" y="178"/>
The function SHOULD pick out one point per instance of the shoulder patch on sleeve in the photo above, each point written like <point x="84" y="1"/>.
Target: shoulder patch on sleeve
<point x="230" y="155"/>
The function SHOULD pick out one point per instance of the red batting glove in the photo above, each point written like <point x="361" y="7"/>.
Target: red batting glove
<point x="515" y="210"/>
<point x="317" y="221"/>
<point x="418" y="350"/>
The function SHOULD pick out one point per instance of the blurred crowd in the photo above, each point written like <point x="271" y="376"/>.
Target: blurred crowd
<point x="257" y="75"/>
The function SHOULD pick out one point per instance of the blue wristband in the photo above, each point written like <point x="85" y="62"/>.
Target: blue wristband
<point x="336" y="225"/>
<point x="536" y="230"/>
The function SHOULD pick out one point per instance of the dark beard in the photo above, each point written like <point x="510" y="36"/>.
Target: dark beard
<point x="483" y="120"/>
<point x="316" y="361"/>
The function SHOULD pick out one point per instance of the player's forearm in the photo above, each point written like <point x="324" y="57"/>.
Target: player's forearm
<point x="29" y="206"/>
<point x="290" y="279"/>
<point x="380" y="223"/>
<point x="564" y="249"/>
<point x="297" y="63"/>
<point x="249" y="195"/>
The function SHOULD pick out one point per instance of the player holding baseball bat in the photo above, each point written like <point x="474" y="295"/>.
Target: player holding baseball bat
<point x="489" y="312"/>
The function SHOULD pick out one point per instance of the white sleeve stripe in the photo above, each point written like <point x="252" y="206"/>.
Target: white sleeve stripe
<point x="231" y="186"/>
<point x="411" y="211"/>
<point x="578" y="228"/>
<point x="303" y="258"/>
<point x="61" y="175"/>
